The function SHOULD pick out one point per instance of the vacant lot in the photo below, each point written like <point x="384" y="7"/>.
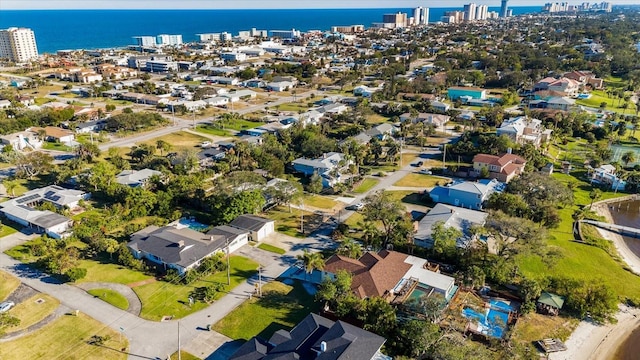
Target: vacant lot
<point x="33" y="310"/>
<point x="289" y="222"/>
<point x="319" y="201"/>
<point x="421" y="180"/>
<point x="180" y="140"/>
<point x="212" y="130"/>
<point x="66" y="338"/>
<point x="281" y="307"/>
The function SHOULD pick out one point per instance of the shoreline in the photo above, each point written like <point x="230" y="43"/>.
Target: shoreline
<point x="631" y="259"/>
<point x="591" y="341"/>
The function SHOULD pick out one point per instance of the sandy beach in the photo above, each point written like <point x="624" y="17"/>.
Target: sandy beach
<point x="591" y="341"/>
<point x="623" y="250"/>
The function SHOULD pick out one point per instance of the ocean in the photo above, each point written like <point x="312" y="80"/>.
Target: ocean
<point x="96" y="29"/>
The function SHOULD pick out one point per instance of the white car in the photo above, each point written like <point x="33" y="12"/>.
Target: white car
<point x="205" y="144"/>
<point x="425" y="172"/>
<point x="5" y="306"/>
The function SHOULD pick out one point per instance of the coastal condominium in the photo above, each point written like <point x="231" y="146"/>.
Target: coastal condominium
<point x="470" y="12"/>
<point x="18" y="44"/>
<point x="504" y="7"/>
<point x="420" y="16"/>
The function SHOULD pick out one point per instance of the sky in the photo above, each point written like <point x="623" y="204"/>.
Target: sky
<point x="258" y="4"/>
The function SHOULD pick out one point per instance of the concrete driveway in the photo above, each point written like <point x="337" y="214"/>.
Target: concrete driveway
<point x="15" y="239"/>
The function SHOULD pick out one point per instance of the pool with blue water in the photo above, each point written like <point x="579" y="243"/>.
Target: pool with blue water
<point x="493" y="320"/>
<point x="193" y="224"/>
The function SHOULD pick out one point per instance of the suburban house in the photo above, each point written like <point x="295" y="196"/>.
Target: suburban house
<point x="523" y="129"/>
<point x="585" y="78"/>
<point x="386" y="274"/>
<point x="451" y="216"/>
<point x="23" y="210"/>
<point x="208" y="157"/>
<point x="182" y="248"/>
<point x="280" y="86"/>
<point x="465" y="194"/>
<point x="503" y="168"/>
<point x="606" y="175"/>
<point x="91" y="126"/>
<point x="315" y="337"/>
<point x="259" y="228"/>
<point x="327" y="167"/>
<point x="22" y="140"/>
<point x="560" y="103"/>
<point x="437" y="120"/>
<point x="381" y="131"/>
<point x="455" y="93"/>
<point x="5" y="104"/>
<point x="56" y="134"/>
<point x="232" y="237"/>
<point x="136" y="178"/>
<point x="440" y="106"/>
<point x="564" y="85"/>
<point x="365" y="91"/>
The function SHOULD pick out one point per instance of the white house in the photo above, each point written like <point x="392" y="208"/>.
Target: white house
<point x="280" y="86"/>
<point x="22" y="140"/>
<point x="258" y="227"/>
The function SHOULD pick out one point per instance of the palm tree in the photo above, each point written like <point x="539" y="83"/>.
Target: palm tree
<point x="312" y="261"/>
<point x="594" y="195"/>
<point x="628" y="157"/>
<point x="163" y="146"/>
<point x="350" y="248"/>
<point x="10" y="186"/>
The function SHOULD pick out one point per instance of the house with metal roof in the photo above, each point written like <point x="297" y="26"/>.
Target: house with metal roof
<point x="315" y="337"/>
<point x="451" y="216"/>
<point x="549" y="303"/>
<point x="136" y="178"/>
<point x="257" y="226"/>
<point x="23" y="210"/>
<point x="326" y="167"/>
<point x="465" y="194"/>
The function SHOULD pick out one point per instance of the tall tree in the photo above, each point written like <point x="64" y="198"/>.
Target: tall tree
<point x="381" y="207"/>
<point x="311" y="261"/>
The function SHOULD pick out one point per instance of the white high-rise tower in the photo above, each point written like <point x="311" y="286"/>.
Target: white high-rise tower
<point x="18" y="44"/>
<point x="421" y="16"/>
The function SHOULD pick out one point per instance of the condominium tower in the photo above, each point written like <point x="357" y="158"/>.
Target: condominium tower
<point x="421" y="16"/>
<point x="18" y="44"/>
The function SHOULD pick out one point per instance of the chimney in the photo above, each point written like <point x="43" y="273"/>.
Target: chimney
<point x="323" y="346"/>
<point x="181" y="243"/>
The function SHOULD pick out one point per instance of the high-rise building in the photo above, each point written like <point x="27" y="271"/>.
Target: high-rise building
<point x="398" y="20"/>
<point x="470" y="12"/>
<point x="147" y="41"/>
<point x="421" y="16"/>
<point x="482" y="12"/>
<point x="18" y="44"/>
<point x="164" y="39"/>
<point x="503" y="9"/>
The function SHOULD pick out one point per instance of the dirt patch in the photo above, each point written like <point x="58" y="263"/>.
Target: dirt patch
<point x="140" y="283"/>
<point x="22" y="293"/>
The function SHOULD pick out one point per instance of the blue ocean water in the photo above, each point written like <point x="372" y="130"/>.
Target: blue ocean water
<point x="93" y="29"/>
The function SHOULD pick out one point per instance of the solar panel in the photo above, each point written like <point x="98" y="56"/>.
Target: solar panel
<point x="26" y="199"/>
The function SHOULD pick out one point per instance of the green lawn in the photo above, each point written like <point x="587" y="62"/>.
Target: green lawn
<point x="180" y="140"/>
<point x="376" y="119"/>
<point x="212" y="130"/>
<point x="289" y="222"/>
<point x="578" y="260"/>
<point x="8" y="228"/>
<point x="271" y="248"/>
<point x="532" y="327"/>
<point x="281" y="307"/>
<point x="613" y="104"/>
<point x="41" y="101"/>
<point x="48" y="145"/>
<point x="31" y="312"/>
<point x="183" y="356"/>
<point x="319" y="201"/>
<point x="8" y="283"/>
<point x="161" y="298"/>
<point x="241" y="124"/>
<point x="366" y="185"/>
<point x="112" y="297"/>
<point x="421" y="180"/>
<point x="66" y="338"/>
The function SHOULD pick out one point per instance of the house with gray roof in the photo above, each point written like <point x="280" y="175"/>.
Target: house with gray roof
<point x="136" y="178"/>
<point x="23" y="209"/>
<point x="451" y="216"/>
<point x="465" y="194"/>
<point x="182" y="248"/>
<point x="326" y="166"/>
<point x="257" y="226"/>
<point x="315" y="337"/>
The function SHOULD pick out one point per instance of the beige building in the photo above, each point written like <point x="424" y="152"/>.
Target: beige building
<point x="18" y="44"/>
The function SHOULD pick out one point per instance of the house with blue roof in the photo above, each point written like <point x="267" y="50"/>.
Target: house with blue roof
<point x="454" y="93"/>
<point x="467" y="194"/>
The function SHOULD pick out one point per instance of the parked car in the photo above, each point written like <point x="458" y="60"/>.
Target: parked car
<point x="425" y="172"/>
<point x="418" y="164"/>
<point x="205" y="144"/>
<point x="6" y="306"/>
<point x="355" y="207"/>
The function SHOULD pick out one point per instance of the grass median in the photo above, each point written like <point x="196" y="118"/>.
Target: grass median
<point x="110" y="296"/>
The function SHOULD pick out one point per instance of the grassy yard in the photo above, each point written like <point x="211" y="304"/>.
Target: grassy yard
<point x="281" y="307"/>
<point x="7" y="228"/>
<point x="421" y="180"/>
<point x="31" y="312"/>
<point x="8" y="283"/>
<point x="161" y="298"/>
<point x="183" y="355"/>
<point x="289" y="222"/>
<point x="48" y="145"/>
<point x="272" y="248"/>
<point x="533" y="326"/>
<point x="319" y="201"/>
<point x="376" y="119"/>
<point x="366" y="185"/>
<point x="581" y="261"/>
<point x="67" y="339"/>
<point x="599" y="96"/>
<point x="112" y="297"/>
<point x="180" y="140"/>
<point x="241" y="124"/>
<point x="212" y="130"/>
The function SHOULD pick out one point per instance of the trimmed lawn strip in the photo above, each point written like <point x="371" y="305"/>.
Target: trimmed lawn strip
<point x="271" y="248"/>
<point x="281" y="307"/>
<point x="48" y="145"/>
<point x="183" y="355"/>
<point x="8" y="283"/>
<point x="161" y="298"/>
<point x="366" y="185"/>
<point x="110" y="296"/>
<point x="104" y="271"/>
<point x="241" y="124"/>
<point x="66" y="338"/>
<point x="319" y="201"/>
<point x="421" y="180"/>
<point x="30" y="312"/>
<point x="212" y="130"/>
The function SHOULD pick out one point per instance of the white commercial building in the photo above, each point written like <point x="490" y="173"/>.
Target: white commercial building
<point x="164" y="39"/>
<point x="145" y="40"/>
<point x="420" y="16"/>
<point x="470" y="12"/>
<point x="18" y="44"/>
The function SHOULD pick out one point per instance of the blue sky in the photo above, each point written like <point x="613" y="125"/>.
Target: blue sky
<point x="258" y="4"/>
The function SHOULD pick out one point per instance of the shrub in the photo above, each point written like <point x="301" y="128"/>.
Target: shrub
<point x="75" y="274"/>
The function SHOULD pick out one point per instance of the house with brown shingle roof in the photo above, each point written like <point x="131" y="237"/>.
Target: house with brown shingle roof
<point x="384" y="273"/>
<point x="503" y="168"/>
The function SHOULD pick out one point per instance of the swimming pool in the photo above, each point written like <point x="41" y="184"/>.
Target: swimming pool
<point x="493" y="321"/>
<point x="192" y="224"/>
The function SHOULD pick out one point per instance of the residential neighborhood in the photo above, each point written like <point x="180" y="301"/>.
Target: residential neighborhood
<point x="465" y="188"/>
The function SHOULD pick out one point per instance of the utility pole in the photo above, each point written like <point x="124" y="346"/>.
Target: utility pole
<point x="228" y="267"/>
<point x="179" y="355"/>
<point x="444" y="156"/>
<point x="301" y="217"/>
<point x="260" y="280"/>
